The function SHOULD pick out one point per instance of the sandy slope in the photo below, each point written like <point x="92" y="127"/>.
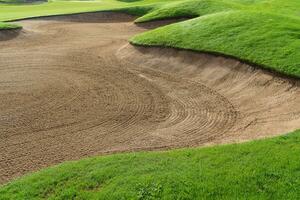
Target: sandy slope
<point x="73" y="87"/>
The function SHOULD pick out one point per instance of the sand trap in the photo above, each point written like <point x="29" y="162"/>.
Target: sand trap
<point x="73" y="87"/>
<point x="264" y="103"/>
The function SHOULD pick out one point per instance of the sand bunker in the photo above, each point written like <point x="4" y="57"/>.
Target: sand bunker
<point x="73" y="87"/>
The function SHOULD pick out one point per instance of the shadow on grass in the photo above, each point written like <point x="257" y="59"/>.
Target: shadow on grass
<point x="9" y="34"/>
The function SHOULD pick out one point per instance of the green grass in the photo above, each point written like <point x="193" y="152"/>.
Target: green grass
<point x="190" y="8"/>
<point x="265" y="169"/>
<point x="197" y="8"/>
<point x="22" y="1"/>
<point x="17" y="11"/>
<point x="7" y="26"/>
<point x="271" y="41"/>
<point x="263" y="32"/>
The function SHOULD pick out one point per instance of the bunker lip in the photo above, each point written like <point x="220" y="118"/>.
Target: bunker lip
<point x="7" y="34"/>
<point x="73" y="87"/>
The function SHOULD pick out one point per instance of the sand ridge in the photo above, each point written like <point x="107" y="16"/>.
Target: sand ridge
<point x="73" y="87"/>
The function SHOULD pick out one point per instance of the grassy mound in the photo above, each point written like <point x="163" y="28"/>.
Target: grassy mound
<point x="266" y="169"/>
<point x="6" y="26"/>
<point x="196" y="8"/>
<point x="263" y="32"/>
<point x="191" y="8"/>
<point x="272" y="41"/>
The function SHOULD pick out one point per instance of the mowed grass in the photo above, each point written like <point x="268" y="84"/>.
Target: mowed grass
<point x="265" y="169"/>
<point x="262" y="32"/>
<point x="7" y="26"/>
<point x="16" y="11"/>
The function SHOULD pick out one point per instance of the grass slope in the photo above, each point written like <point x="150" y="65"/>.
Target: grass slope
<point x="266" y="33"/>
<point x="265" y="169"/>
<point x="271" y="41"/>
<point x="7" y="26"/>
<point x="22" y="1"/>
<point x="188" y="8"/>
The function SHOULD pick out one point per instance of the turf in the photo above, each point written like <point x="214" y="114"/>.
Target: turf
<point x="270" y="41"/>
<point x="265" y="169"/>
<point x="7" y="26"/>
<point x="17" y="11"/>
<point x="187" y="9"/>
<point x="265" y="33"/>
